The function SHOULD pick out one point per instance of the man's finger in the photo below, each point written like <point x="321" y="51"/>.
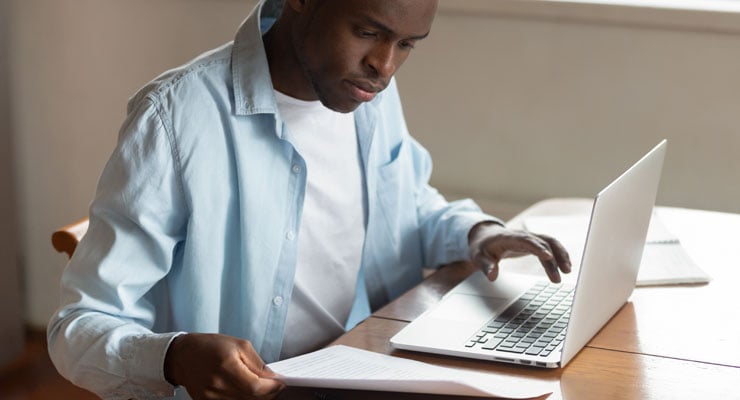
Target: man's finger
<point x="517" y="246"/>
<point x="538" y="247"/>
<point x="247" y="380"/>
<point x="551" y="269"/>
<point x="268" y="387"/>
<point x="492" y="271"/>
<point x="547" y="259"/>
<point x="266" y="374"/>
<point x="561" y="254"/>
<point x="253" y="376"/>
<point x="487" y="265"/>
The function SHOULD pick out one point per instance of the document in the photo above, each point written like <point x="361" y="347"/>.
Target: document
<point x="664" y="260"/>
<point x="342" y="367"/>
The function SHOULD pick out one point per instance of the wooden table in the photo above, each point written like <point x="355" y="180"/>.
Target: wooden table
<point x="671" y="342"/>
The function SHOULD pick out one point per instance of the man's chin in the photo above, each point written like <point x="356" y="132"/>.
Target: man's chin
<point x="341" y="107"/>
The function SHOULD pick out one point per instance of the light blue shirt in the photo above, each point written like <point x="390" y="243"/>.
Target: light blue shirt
<point x="194" y="223"/>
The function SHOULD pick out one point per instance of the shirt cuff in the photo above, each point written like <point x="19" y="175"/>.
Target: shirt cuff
<point x="144" y="355"/>
<point x="465" y="221"/>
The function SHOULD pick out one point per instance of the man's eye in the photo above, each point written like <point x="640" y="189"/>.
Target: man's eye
<point x="406" y="45"/>
<point x="367" y="34"/>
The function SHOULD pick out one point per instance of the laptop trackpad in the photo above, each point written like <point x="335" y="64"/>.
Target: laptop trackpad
<point x="451" y="323"/>
<point x="469" y="308"/>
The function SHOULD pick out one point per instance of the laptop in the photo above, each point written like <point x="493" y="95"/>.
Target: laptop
<point x="525" y="319"/>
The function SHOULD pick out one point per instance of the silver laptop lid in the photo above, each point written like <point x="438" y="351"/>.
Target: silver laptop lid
<point x="612" y="253"/>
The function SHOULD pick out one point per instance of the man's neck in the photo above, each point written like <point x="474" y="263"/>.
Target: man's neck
<point x="285" y="68"/>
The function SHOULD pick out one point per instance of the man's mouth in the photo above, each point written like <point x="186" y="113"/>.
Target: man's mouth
<point x="362" y="91"/>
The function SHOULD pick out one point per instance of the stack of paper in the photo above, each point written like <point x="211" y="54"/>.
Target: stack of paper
<point x="664" y="260"/>
<point x="342" y="367"/>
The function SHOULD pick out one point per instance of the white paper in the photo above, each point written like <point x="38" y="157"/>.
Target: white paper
<point x="664" y="260"/>
<point x="342" y="367"/>
<point x="664" y="264"/>
<point x="574" y="228"/>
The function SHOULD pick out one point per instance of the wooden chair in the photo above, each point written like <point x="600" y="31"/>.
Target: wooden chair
<point x="66" y="238"/>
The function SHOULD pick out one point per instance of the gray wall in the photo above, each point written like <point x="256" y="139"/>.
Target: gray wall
<point x="520" y="105"/>
<point x="514" y="106"/>
<point x="76" y="62"/>
<point x="11" y="307"/>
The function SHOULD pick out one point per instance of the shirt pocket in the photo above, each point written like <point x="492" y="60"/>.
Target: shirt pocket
<point x="396" y="194"/>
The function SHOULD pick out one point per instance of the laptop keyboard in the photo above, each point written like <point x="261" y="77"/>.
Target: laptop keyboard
<point x="533" y="325"/>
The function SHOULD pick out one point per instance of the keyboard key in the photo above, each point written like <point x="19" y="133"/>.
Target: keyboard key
<point x="513" y="309"/>
<point x="511" y="350"/>
<point x="492" y="343"/>
<point x="496" y="324"/>
<point x="533" y="351"/>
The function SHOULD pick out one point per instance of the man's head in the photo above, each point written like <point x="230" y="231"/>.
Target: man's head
<point x="343" y="52"/>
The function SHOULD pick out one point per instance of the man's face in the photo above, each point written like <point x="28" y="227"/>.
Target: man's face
<point x="350" y="49"/>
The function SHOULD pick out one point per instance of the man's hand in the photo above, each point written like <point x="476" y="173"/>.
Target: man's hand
<point x="491" y="242"/>
<point x="214" y="366"/>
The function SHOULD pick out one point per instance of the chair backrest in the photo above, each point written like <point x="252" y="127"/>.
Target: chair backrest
<point x="65" y="239"/>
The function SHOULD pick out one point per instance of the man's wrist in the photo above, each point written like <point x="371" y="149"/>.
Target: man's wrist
<point x="481" y="226"/>
<point x="170" y="360"/>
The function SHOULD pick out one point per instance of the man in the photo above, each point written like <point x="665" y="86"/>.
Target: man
<point x="267" y="193"/>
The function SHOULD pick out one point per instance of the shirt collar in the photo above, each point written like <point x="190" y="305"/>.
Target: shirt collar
<point x="250" y="71"/>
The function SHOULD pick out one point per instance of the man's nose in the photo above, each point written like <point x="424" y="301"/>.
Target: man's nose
<point x="382" y="60"/>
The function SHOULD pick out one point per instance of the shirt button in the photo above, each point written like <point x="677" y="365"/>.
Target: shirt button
<point x="290" y="235"/>
<point x="277" y="301"/>
<point x="296" y="168"/>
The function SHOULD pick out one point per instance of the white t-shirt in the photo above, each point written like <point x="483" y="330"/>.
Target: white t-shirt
<point x="332" y="228"/>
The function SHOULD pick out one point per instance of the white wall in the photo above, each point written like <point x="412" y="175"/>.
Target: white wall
<point x="513" y="109"/>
